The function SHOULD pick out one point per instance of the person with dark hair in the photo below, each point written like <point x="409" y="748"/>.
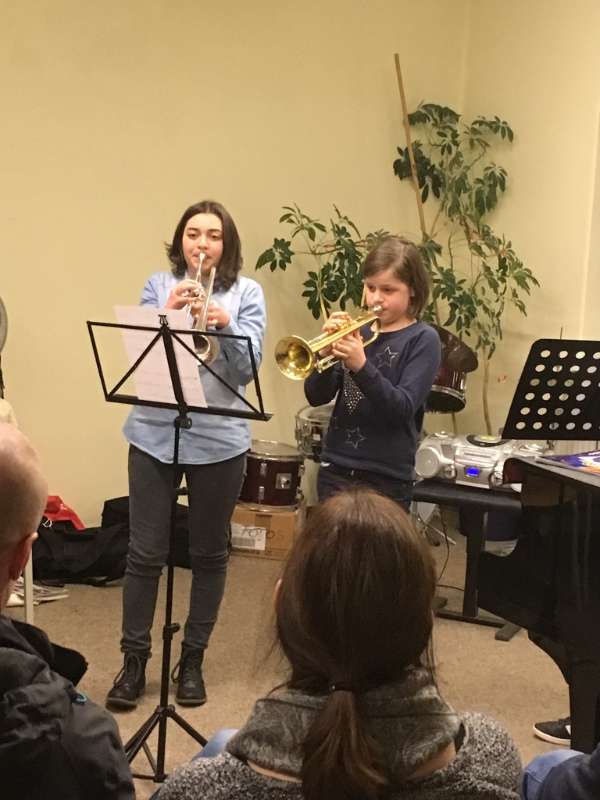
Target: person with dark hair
<point x="381" y="390"/>
<point x="212" y="452"/>
<point x="360" y="716"/>
<point x="55" y="744"/>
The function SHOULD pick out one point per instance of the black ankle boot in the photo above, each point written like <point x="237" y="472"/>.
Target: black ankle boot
<point x="188" y="676"/>
<point x="129" y="683"/>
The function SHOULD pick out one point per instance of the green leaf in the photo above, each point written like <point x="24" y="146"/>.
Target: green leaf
<point x="265" y="258"/>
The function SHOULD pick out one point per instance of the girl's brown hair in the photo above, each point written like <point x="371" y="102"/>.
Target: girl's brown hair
<point x="353" y="611"/>
<point x="403" y="257"/>
<point x="231" y="261"/>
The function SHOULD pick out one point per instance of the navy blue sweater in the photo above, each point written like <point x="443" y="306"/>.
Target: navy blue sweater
<point x="379" y="410"/>
<point x="578" y="778"/>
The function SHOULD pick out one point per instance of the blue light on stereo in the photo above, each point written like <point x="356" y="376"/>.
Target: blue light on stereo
<point x="472" y="472"/>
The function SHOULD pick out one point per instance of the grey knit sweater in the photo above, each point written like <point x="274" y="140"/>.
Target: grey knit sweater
<point x="410" y="722"/>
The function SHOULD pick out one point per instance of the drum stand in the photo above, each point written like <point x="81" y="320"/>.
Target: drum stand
<point x="163" y="712"/>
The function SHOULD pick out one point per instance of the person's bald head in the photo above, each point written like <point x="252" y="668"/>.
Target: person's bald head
<point x="23" y="488"/>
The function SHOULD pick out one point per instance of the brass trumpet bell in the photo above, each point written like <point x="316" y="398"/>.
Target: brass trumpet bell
<point x="297" y="357"/>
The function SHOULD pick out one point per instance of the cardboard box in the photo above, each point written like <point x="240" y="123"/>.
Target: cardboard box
<point x="265" y="533"/>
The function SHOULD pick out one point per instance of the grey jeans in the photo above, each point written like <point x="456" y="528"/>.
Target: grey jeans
<point x="213" y="490"/>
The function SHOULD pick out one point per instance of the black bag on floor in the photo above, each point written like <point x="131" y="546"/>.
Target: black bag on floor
<point x="95" y="555"/>
<point x="116" y="512"/>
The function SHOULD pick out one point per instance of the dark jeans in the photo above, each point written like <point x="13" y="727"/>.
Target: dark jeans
<point x="213" y="490"/>
<point x="332" y="479"/>
<point x="536" y="772"/>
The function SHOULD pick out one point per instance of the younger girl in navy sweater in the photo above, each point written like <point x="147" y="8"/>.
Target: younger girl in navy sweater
<point x="380" y="391"/>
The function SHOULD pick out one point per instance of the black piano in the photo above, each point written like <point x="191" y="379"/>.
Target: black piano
<point x="550" y="583"/>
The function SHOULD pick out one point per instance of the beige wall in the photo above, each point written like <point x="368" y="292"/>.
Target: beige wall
<point x="536" y="64"/>
<point x="118" y="115"/>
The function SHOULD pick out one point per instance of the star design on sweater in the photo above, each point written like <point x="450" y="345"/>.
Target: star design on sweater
<point x="385" y="358"/>
<point x="354" y="437"/>
<point x="352" y="394"/>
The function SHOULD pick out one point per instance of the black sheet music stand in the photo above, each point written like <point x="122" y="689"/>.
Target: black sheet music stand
<point x="558" y="394"/>
<point x="166" y="336"/>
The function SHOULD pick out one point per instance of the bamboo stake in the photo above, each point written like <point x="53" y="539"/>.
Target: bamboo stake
<point x="411" y="158"/>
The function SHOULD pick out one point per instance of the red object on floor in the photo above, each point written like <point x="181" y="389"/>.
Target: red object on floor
<point x="56" y="509"/>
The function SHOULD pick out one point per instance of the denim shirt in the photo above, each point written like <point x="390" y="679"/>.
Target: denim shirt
<point x="211" y="438"/>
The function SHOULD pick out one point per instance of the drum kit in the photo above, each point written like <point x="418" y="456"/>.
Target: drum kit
<point x="274" y="470"/>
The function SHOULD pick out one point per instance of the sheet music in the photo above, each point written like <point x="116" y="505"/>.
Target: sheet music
<point x="152" y="378"/>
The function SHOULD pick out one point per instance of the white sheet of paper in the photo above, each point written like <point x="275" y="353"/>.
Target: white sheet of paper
<point x="152" y="378"/>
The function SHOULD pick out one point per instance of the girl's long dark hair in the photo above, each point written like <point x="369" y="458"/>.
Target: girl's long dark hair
<point x="353" y="611"/>
<point x="231" y="261"/>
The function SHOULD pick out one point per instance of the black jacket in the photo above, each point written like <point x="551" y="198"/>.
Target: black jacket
<point x="54" y="742"/>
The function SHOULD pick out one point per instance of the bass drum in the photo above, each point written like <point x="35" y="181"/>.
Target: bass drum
<point x="447" y="394"/>
<point x="311" y="427"/>
<point x="273" y="472"/>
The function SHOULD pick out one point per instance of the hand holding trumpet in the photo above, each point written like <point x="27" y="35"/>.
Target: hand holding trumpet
<point x="184" y="293"/>
<point x="191" y="293"/>
<point x="216" y="315"/>
<point x="350" y="348"/>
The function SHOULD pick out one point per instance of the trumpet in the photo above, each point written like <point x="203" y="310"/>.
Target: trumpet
<point x="207" y="347"/>
<point x="297" y="357"/>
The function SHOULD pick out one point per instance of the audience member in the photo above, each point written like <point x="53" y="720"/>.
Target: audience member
<point x="360" y="715"/>
<point x="54" y="743"/>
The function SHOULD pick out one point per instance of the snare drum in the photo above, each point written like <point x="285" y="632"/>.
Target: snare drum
<point x="311" y="427"/>
<point x="273" y="472"/>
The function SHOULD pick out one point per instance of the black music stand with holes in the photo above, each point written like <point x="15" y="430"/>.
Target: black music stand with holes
<point x="166" y="336"/>
<point x="558" y="394"/>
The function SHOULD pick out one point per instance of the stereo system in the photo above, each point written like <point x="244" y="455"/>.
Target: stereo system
<point x="471" y="460"/>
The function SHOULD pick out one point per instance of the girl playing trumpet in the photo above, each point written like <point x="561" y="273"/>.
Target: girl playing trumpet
<point x="211" y="453"/>
<point x="380" y="391"/>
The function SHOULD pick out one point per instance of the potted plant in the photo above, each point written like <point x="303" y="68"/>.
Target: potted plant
<point x="471" y="294"/>
<point x="338" y="250"/>
<point x="476" y="274"/>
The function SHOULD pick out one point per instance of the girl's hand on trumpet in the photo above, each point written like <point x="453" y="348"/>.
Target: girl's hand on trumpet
<point x="351" y="351"/>
<point x="183" y="294"/>
<point x="336" y="321"/>
<point x="332" y="324"/>
<point x="217" y="316"/>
